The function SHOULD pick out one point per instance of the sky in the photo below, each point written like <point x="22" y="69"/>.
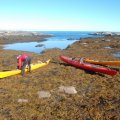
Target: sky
<point x="60" y="15"/>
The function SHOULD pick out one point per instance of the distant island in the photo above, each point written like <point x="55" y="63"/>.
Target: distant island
<point x="104" y="33"/>
<point x="7" y="37"/>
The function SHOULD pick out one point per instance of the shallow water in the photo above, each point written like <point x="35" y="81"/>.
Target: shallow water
<point x="30" y="46"/>
<point x="60" y="39"/>
<point x="117" y="54"/>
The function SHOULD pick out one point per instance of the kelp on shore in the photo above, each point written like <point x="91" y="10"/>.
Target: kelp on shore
<point x="97" y="97"/>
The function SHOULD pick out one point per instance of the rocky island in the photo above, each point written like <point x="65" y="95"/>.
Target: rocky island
<point x="7" y="37"/>
<point x="104" y="33"/>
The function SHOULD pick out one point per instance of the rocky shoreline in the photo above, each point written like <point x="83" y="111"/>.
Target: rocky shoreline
<point x="7" y="37"/>
<point x="69" y="93"/>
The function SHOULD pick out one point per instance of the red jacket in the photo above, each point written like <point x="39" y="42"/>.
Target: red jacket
<point x="21" y="59"/>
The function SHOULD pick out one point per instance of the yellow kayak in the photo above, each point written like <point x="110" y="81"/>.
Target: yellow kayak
<point x="17" y="71"/>
<point x="114" y="63"/>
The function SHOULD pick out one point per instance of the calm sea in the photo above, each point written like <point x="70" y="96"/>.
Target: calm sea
<point x="60" y="39"/>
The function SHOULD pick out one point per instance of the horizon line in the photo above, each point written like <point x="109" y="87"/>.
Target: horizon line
<point x="58" y="30"/>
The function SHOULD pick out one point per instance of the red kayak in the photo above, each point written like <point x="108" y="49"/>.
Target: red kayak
<point x="87" y="66"/>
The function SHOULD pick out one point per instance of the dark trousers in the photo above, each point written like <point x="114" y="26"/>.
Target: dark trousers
<point x="26" y="62"/>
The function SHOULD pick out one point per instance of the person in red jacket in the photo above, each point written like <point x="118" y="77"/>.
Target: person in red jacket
<point x="22" y="61"/>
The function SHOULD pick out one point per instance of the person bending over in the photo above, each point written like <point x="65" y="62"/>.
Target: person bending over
<point x="22" y="61"/>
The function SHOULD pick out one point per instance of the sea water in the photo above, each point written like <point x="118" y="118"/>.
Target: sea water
<point x="60" y="39"/>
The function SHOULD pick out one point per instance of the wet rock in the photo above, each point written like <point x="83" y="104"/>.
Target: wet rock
<point x="22" y="100"/>
<point x="44" y="94"/>
<point x="108" y="40"/>
<point x="71" y="38"/>
<point x="39" y="45"/>
<point x="108" y="47"/>
<point x="67" y="89"/>
<point x="84" y="43"/>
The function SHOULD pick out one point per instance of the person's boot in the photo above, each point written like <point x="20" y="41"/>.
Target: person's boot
<point x="29" y="69"/>
<point x="23" y="73"/>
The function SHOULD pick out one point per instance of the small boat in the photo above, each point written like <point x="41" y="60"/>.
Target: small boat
<point x="4" y="74"/>
<point x="87" y="66"/>
<point x="114" y="63"/>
